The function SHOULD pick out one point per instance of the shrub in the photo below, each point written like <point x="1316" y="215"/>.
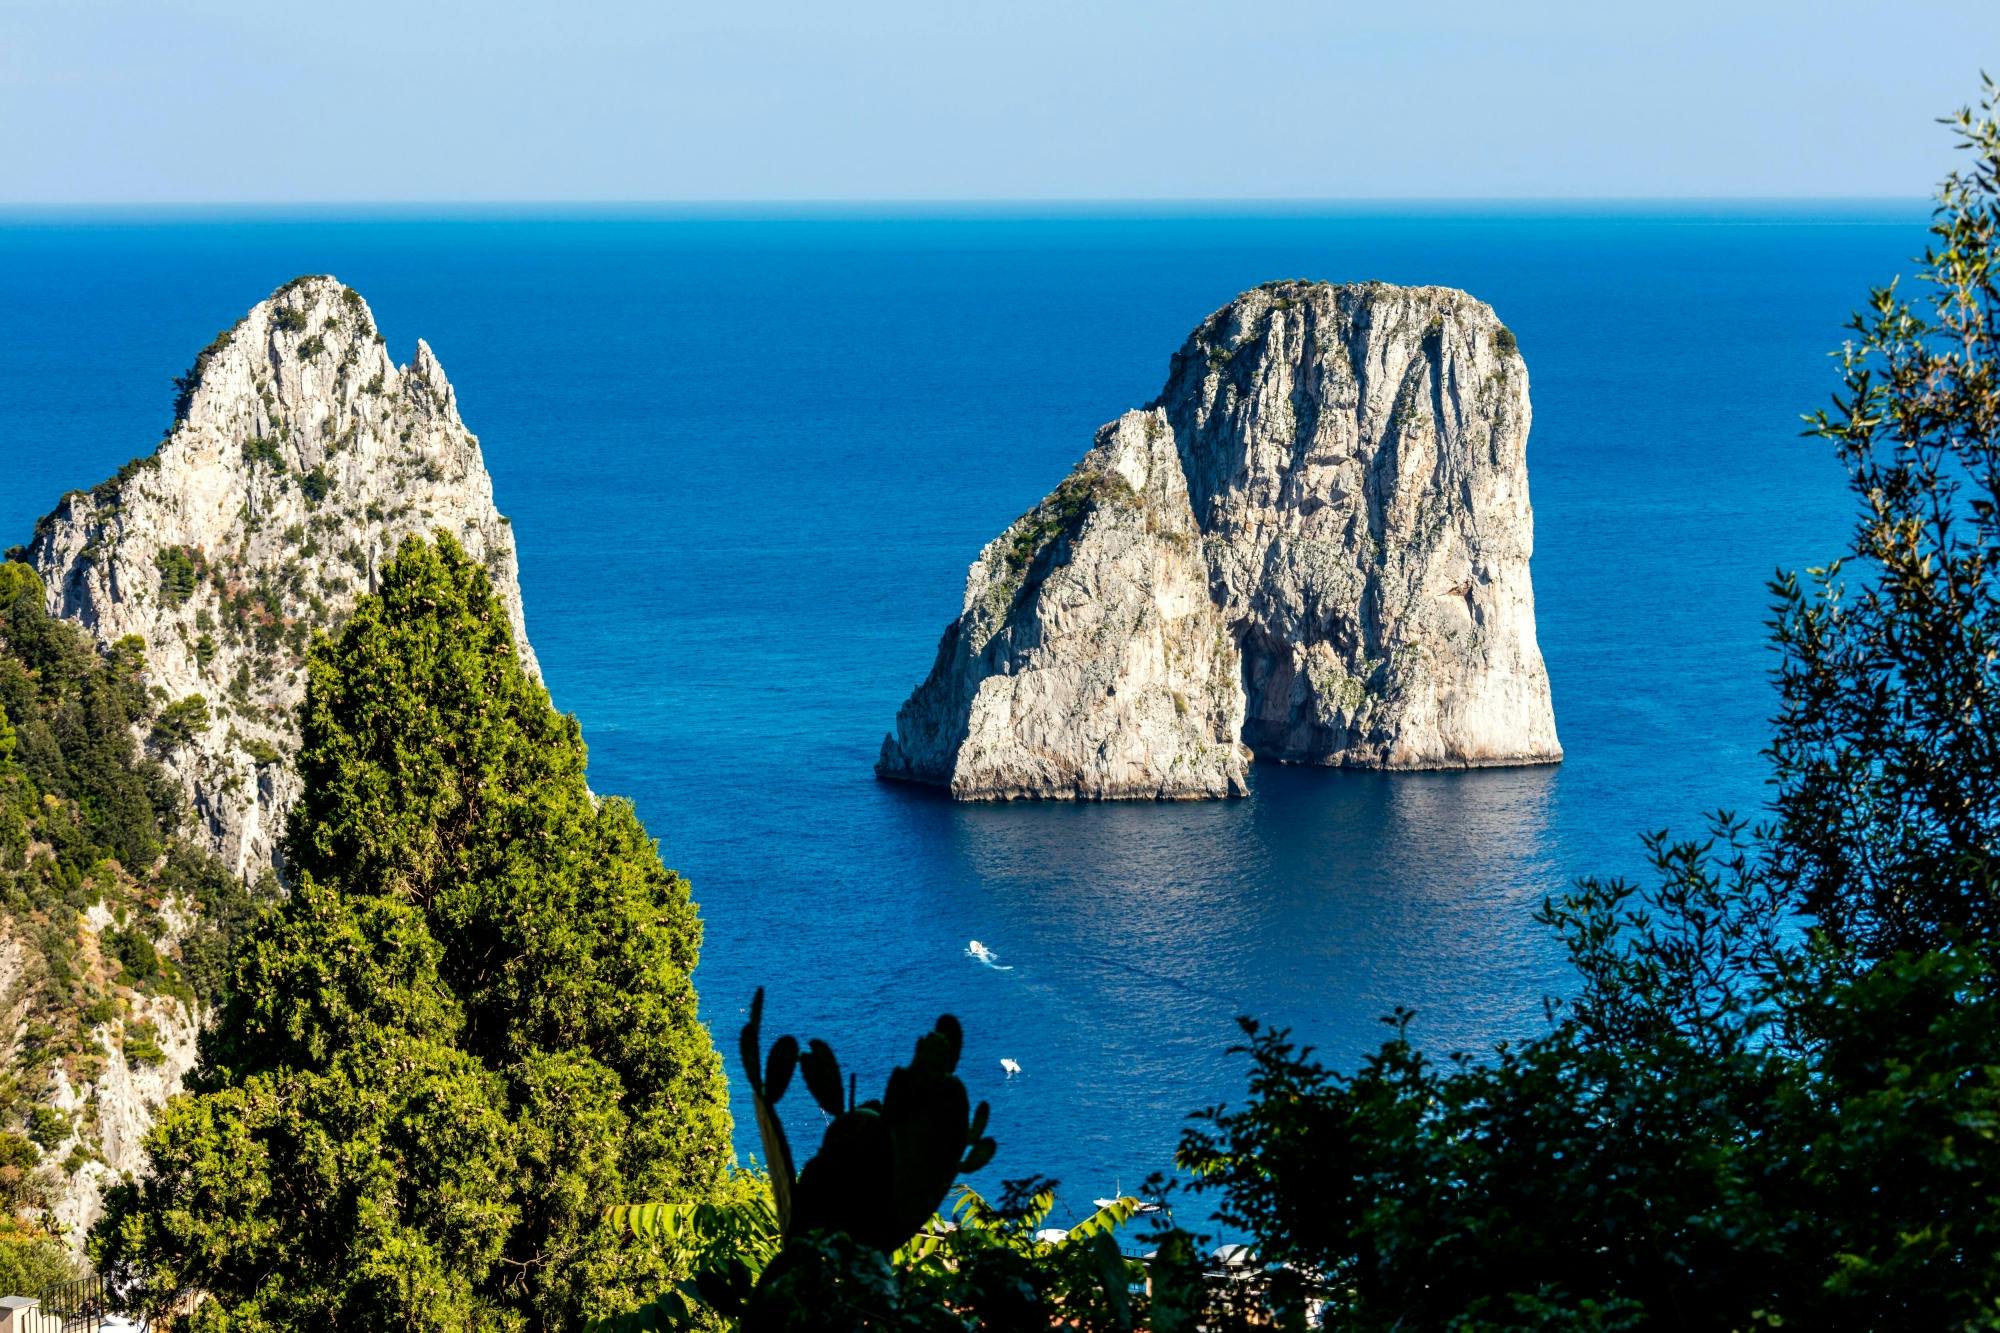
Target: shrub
<point x="178" y="574"/>
<point x="135" y="953"/>
<point x="316" y="484"/>
<point x="180" y="722"/>
<point x="47" y="1126"/>
<point x="1062" y="513"/>
<point x="1770" y="1099"/>
<point x="185" y="385"/>
<point x="32" y="1260"/>
<point x="142" y="1045"/>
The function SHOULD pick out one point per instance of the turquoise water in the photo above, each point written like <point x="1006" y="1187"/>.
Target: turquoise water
<point x="748" y="460"/>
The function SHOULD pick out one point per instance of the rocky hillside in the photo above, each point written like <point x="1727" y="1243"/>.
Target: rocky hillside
<point x="153" y="784"/>
<point x="115" y="933"/>
<point x="299" y="457"/>
<point x="1312" y="547"/>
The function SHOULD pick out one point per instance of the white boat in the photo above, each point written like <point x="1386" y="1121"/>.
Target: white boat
<point x="1012" y="1067"/>
<point x="986" y="956"/>
<point x="1139" y="1207"/>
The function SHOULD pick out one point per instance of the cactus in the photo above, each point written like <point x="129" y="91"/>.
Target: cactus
<point x="855" y="1240"/>
<point x="884" y="1167"/>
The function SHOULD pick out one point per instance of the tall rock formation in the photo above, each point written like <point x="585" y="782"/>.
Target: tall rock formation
<point x="1312" y="547"/>
<point x="299" y="458"/>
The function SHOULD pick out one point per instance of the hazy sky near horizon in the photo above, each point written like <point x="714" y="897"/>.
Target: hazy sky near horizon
<point x="177" y="101"/>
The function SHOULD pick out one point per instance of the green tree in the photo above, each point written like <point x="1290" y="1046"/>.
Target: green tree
<point x="31" y="1260"/>
<point x="180" y="722"/>
<point x="72" y="711"/>
<point x="179" y="574"/>
<point x="1775" y="1095"/>
<point x="468" y="1030"/>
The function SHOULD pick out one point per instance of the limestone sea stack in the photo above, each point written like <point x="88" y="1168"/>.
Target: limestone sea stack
<point x="299" y="458"/>
<point x="1312" y="547"/>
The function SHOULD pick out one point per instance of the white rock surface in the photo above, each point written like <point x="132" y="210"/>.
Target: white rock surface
<point x="300" y="400"/>
<point x="1089" y="661"/>
<point x="1340" y="474"/>
<point x="113" y="1111"/>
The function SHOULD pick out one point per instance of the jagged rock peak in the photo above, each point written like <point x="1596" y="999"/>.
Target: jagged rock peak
<point x="1312" y="547"/>
<point x="299" y="458"/>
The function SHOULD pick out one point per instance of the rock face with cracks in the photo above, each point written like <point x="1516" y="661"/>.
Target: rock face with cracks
<point x="300" y="457"/>
<point x="1312" y="547"/>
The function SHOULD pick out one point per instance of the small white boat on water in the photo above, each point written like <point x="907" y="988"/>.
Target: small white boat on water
<point x="985" y="955"/>
<point x="1139" y="1205"/>
<point x="1012" y="1067"/>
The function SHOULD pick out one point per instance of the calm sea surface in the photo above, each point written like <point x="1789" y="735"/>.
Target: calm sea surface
<point x="749" y="459"/>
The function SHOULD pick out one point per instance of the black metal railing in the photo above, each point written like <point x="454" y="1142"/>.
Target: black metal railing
<point x="81" y="1305"/>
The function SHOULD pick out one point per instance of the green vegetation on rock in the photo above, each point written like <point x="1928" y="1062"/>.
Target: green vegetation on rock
<point x="1060" y="514"/>
<point x="180" y="722"/>
<point x="262" y="450"/>
<point x="178" y="574"/>
<point x="85" y="820"/>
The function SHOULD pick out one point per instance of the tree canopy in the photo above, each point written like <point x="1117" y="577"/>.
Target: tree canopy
<point x="467" y="1030"/>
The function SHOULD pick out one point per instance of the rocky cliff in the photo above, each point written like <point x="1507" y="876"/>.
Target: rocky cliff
<point x="1312" y="547"/>
<point x="300" y="456"/>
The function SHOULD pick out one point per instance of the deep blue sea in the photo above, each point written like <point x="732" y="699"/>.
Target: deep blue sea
<point x="749" y="458"/>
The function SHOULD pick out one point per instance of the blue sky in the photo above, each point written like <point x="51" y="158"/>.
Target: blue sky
<point x="155" y="101"/>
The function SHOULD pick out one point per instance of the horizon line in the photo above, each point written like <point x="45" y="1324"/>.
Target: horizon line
<point x="952" y="204"/>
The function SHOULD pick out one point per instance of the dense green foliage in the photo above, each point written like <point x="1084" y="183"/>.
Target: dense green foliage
<point x="180" y="722"/>
<point x="467" y="1031"/>
<point x="30" y="1260"/>
<point x="1775" y="1096"/>
<point x="71" y="714"/>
